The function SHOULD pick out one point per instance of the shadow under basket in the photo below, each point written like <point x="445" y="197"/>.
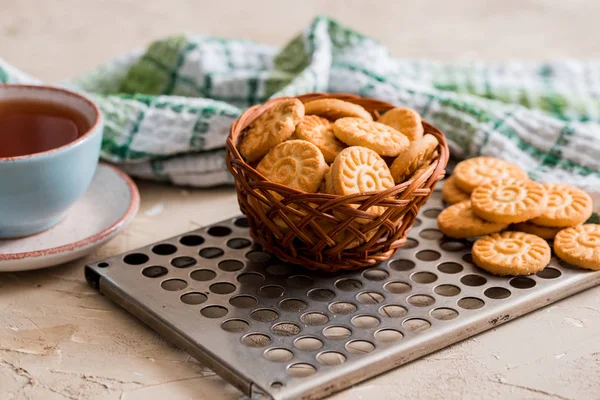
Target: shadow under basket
<point x="326" y="231"/>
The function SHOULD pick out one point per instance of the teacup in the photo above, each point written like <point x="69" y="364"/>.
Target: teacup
<point x="37" y="189"/>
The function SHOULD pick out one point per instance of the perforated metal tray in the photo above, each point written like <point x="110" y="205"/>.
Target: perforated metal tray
<point x="282" y="332"/>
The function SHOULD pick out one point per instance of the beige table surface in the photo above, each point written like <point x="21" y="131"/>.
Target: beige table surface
<point x="59" y="339"/>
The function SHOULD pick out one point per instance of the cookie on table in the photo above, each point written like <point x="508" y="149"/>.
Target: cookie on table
<point x="297" y="164"/>
<point x="511" y="253"/>
<point x="413" y="157"/>
<point x="333" y="109"/>
<point x="451" y="194"/>
<point x="567" y="206"/>
<point x="404" y="120"/>
<point x="509" y="201"/>
<point x="545" y="232"/>
<point x="274" y="126"/>
<point x="579" y="246"/>
<point x="477" y="171"/>
<point x="380" y="138"/>
<point x="458" y="221"/>
<point x="319" y="131"/>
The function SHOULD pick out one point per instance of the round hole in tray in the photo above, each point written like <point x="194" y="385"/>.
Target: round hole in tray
<point x="242" y="222"/>
<point x="370" y="298"/>
<point x="135" y="259"/>
<point x="301" y="370"/>
<point x="444" y="313"/>
<point x="470" y="303"/>
<point x="432" y="212"/>
<point x="417" y="222"/>
<point x="154" y="271"/>
<point x="264" y="315"/>
<point x="365" y="321"/>
<point x="279" y="269"/>
<point x="219" y="231"/>
<point x="222" y="288"/>
<point x="421" y="300"/>
<point x="388" y="335"/>
<point x="293" y="305"/>
<point x="450" y="268"/>
<point x="431" y="234"/>
<point x="279" y="355"/>
<point x="202" y="275"/>
<point x="342" y="308"/>
<point x="250" y="278"/>
<point x="320" y="294"/>
<point x="348" y="284"/>
<point x="375" y="274"/>
<point x="337" y="332"/>
<point x="243" y="301"/>
<point x="453" y="245"/>
<point x="299" y="281"/>
<point x="277" y="385"/>
<point x="401" y="265"/>
<point x="428" y="255"/>
<point x="214" y="311"/>
<point x="331" y="358"/>
<point x="549" y="273"/>
<point x="102" y="265"/>
<point x="522" y="282"/>
<point x="397" y="287"/>
<point x="174" y="284"/>
<point x="235" y="325"/>
<point x="285" y="329"/>
<point x="257" y="256"/>
<point x="447" y="290"/>
<point x="238" y="243"/>
<point x="271" y="291"/>
<point x="416" y="324"/>
<point x="468" y="258"/>
<point x="393" y="311"/>
<point x="360" y="346"/>
<point x="410" y="243"/>
<point x="193" y="298"/>
<point x="314" y="318"/>
<point x="211" y="252"/>
<point x="183" y="262"/>
<point x="424" y="277"/>
<point x="308" y="343"/>
<point x="191" y="240"/>
<point x="473" y="280"/>
<point x="256" y="340"/>
<point x="497" y="293"/>
<point x="231" y="265"/>
<point x="164" y="249"/>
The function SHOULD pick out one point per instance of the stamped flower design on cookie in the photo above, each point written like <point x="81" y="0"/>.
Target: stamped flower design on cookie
<point x="579" y="246"/>
<point x="404" y="120"/>
<point x="380" y="138"/>
<point x="567" y="206"/>
<point x="319" y="131"/>
<point x="481" y="170"/>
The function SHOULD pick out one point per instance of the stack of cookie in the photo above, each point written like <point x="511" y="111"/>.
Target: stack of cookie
<point x="492" y="197"/>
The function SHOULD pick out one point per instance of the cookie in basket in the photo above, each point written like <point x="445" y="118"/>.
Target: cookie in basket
<point x="451" y="194"/>
<point x="480" y="170"/>
<point x="509" y="200"/>
<point x="545" y="232"/>
<point x="458" y="221"/>
<point x="297" y="164"/>
<point x="579" y="246"/>
<point x="380" y="138"/>
<point x="333" y="109"/>
<point x="404" y="120"/>
<point x="274" y="126"/>
<point x="319" y="131"/>
<point x="511" y="253"/>
<point x="409" y="160"/>
<point x="327" y="184"/>
<point x="567" y="206"/>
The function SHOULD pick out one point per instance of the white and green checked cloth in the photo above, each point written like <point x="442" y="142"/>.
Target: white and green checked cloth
<point x="168" y="108"/>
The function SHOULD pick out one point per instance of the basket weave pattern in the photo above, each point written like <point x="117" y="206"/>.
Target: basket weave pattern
<point x="327" y="231"/>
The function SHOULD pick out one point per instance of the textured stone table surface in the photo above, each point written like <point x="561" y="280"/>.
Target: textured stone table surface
<point x="59" y="339"/>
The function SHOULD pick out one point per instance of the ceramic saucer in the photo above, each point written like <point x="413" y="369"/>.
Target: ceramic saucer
<point x="108" y="206"/>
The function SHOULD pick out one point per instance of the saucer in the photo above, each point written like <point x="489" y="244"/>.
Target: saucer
<point x="108" y="206"/>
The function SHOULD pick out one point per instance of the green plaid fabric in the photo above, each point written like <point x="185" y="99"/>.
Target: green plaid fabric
<point x="168" y="108"/>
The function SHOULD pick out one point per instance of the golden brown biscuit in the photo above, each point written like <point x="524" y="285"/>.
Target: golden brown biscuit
<point x="272" y="127"/>
<point x="479" y="170"/>
<point x="451" y="193"/>
<point x="579" y="246"/>
<point x="404" y="120"/>
<point x="333" y="109"/>
<point x="545" y="232"/>
<point x="511" y="253"/>
<point x="380" y="138"/>
<point x="458" y="221"/>
<point x="567" y="206"/>
<point x="509" y="201"/>
<point x="297" y="164"/>
<point x="414" y="157"/>
<point x="319" y="131"/>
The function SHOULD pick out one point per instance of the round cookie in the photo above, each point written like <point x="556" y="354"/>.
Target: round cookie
<point x="319" y="131"/>
<point x="451" y="193"/>
<point x="380" y="138"/>
<point x="509" y="201"/>
<point x="404" y="120"/>
<point x="567" y="206"/>
<point x="297" y="164"/>
<point x="480" y="170"/>
<point x="458" y="221"/>
<point x="545" y="232"/>
<point x="579" y="246"/>
<point x="413" y="157"/>
<point x="272" y="127"/>
<point x="334" y="108"/>
<point x="511" y="253"/>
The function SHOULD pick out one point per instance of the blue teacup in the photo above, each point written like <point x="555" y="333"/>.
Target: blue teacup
<point x="36" y="190"/>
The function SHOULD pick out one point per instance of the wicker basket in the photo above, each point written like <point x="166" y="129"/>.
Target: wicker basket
<point x="326" y="231"/>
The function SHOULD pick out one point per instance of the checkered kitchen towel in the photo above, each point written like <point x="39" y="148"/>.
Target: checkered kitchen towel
<point x="168" y="108"/>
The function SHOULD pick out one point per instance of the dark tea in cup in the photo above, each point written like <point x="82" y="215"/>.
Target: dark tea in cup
<point x="33" y="126"/>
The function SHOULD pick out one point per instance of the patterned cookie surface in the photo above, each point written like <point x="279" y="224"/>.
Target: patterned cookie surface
<point x="459" y="221"/>
<point x="380" y="138"/>
<point x="404" y="120"/>
<point x="567" y="206"/>
<point x="333" y="109"/>
<point x="319" y="131"/>
<point x="297" y="164"/>
<point x="274" y="126"/>
<point x="579" y="246"/>
<point x="545" y="232"/>
<point x="477" y="171"/>
<point x="451" y="193"/>
<point x="413" y="157"/>
<point x="511" y="253"/>
<point x="509" y="200"/>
